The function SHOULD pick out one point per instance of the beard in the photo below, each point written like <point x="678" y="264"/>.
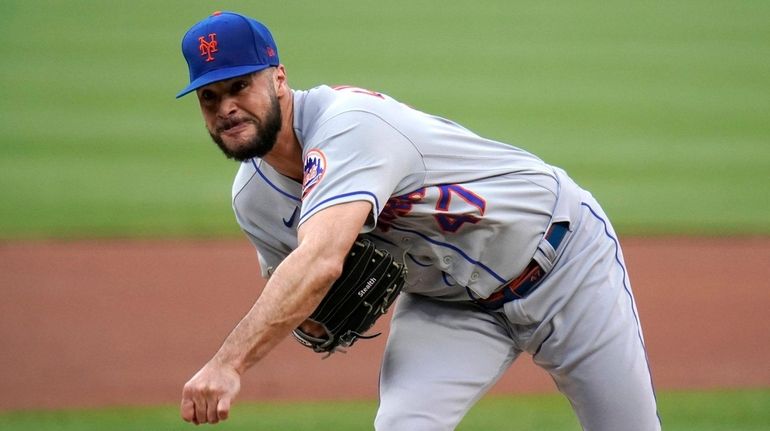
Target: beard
<point x="267" y="129"/>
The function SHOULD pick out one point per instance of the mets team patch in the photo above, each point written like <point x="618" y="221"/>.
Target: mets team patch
<point x="315" y="167"/>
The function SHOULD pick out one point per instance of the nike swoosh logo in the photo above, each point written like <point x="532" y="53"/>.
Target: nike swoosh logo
<point x="290" y="221"/>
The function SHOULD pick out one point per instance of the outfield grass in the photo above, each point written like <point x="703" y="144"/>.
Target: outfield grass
<point x="660" y="108"/>
<point x="747" y="410"/>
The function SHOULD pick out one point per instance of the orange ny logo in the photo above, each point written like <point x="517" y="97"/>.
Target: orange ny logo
<point x="208" y="47"/>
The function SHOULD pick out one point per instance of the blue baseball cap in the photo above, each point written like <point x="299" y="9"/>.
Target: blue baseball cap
<point x="226" y="45"/>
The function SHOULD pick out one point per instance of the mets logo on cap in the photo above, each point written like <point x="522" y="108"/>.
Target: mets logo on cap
<point x="315" y="168"/>
<point x="208" y="47"/>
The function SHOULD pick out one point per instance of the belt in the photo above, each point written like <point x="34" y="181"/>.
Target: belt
<point x="529" y="279"/>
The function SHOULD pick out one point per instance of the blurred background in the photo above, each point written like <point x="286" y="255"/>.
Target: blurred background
<point x="660" y="108"/>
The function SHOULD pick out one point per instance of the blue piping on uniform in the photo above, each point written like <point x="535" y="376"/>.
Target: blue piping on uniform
<point x="376" y="202"/>
<point x="630" y="295"/>
<point x="288" y="195"/>
<point x="457" y="250"/>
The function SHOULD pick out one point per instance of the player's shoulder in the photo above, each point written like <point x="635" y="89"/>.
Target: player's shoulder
<point x="314" y="100"/>
<point x="322" y="107"/>
<point x="325" y="102"/>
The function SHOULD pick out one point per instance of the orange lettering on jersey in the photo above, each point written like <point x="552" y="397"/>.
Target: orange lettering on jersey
<point x="208" y="47"/>
<point x="398" y="206"/>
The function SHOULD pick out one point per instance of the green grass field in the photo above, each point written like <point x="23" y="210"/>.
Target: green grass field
<point x="660" y="108"/>
<point x="708" y="411"/>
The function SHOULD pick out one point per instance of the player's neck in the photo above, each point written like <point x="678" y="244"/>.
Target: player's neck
<point x="286" y="155"/>
<point x="286" y="160"/>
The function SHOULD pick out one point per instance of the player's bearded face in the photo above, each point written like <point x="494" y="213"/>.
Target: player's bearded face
<point x="248" y="146"/>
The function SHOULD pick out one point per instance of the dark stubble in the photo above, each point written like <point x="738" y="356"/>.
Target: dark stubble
<point x="264" y="140"/>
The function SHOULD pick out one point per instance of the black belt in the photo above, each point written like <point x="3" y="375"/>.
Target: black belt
<point x="529" y="279"/>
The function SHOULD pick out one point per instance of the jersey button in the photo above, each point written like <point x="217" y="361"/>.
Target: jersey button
<point x="474" y="276"/>
<point x="405" y="239"/>
<point x="447" y="260"/>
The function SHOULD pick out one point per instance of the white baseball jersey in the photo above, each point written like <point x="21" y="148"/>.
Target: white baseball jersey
<point x="445" y="197"/>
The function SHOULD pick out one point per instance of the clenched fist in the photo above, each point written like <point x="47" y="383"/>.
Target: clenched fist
<point x="206" y="398"/>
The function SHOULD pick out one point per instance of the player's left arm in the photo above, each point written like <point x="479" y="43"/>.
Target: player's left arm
<point x="295" y="289"/>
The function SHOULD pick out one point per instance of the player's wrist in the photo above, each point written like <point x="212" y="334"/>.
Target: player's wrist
<point x="227" y="362"/>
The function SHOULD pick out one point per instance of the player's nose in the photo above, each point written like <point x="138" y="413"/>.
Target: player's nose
<point x="227" y="107"/>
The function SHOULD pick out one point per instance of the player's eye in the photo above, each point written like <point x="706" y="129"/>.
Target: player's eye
<point x="207" y="95"/>
<point x="238" y="86"/>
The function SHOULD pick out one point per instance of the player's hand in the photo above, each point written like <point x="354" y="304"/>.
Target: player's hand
<point x="206" y="398"/>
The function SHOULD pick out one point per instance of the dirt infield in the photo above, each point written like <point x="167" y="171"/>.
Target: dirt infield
<point x="127" y="322"/>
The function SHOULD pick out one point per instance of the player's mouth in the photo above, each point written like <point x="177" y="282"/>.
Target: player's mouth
<point x="232" y="127"/>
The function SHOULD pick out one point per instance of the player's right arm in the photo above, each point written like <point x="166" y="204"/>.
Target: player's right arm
<point x="295" y="289"/>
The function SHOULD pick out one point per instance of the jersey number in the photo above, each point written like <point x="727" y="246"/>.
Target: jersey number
<point x="451" y="222"/>
<point x="399" y="206"/>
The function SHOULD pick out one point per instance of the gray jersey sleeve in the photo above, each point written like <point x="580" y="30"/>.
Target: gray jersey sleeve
<point x="356" y="155"/>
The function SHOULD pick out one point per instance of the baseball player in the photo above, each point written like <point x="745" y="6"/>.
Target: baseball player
<point x="505" y="254"/>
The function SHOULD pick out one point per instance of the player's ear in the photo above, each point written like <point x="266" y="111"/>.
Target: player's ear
<point x="280" y="81"/>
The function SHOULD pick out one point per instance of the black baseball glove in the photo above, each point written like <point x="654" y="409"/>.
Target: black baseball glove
<point x="370" y="282"/>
